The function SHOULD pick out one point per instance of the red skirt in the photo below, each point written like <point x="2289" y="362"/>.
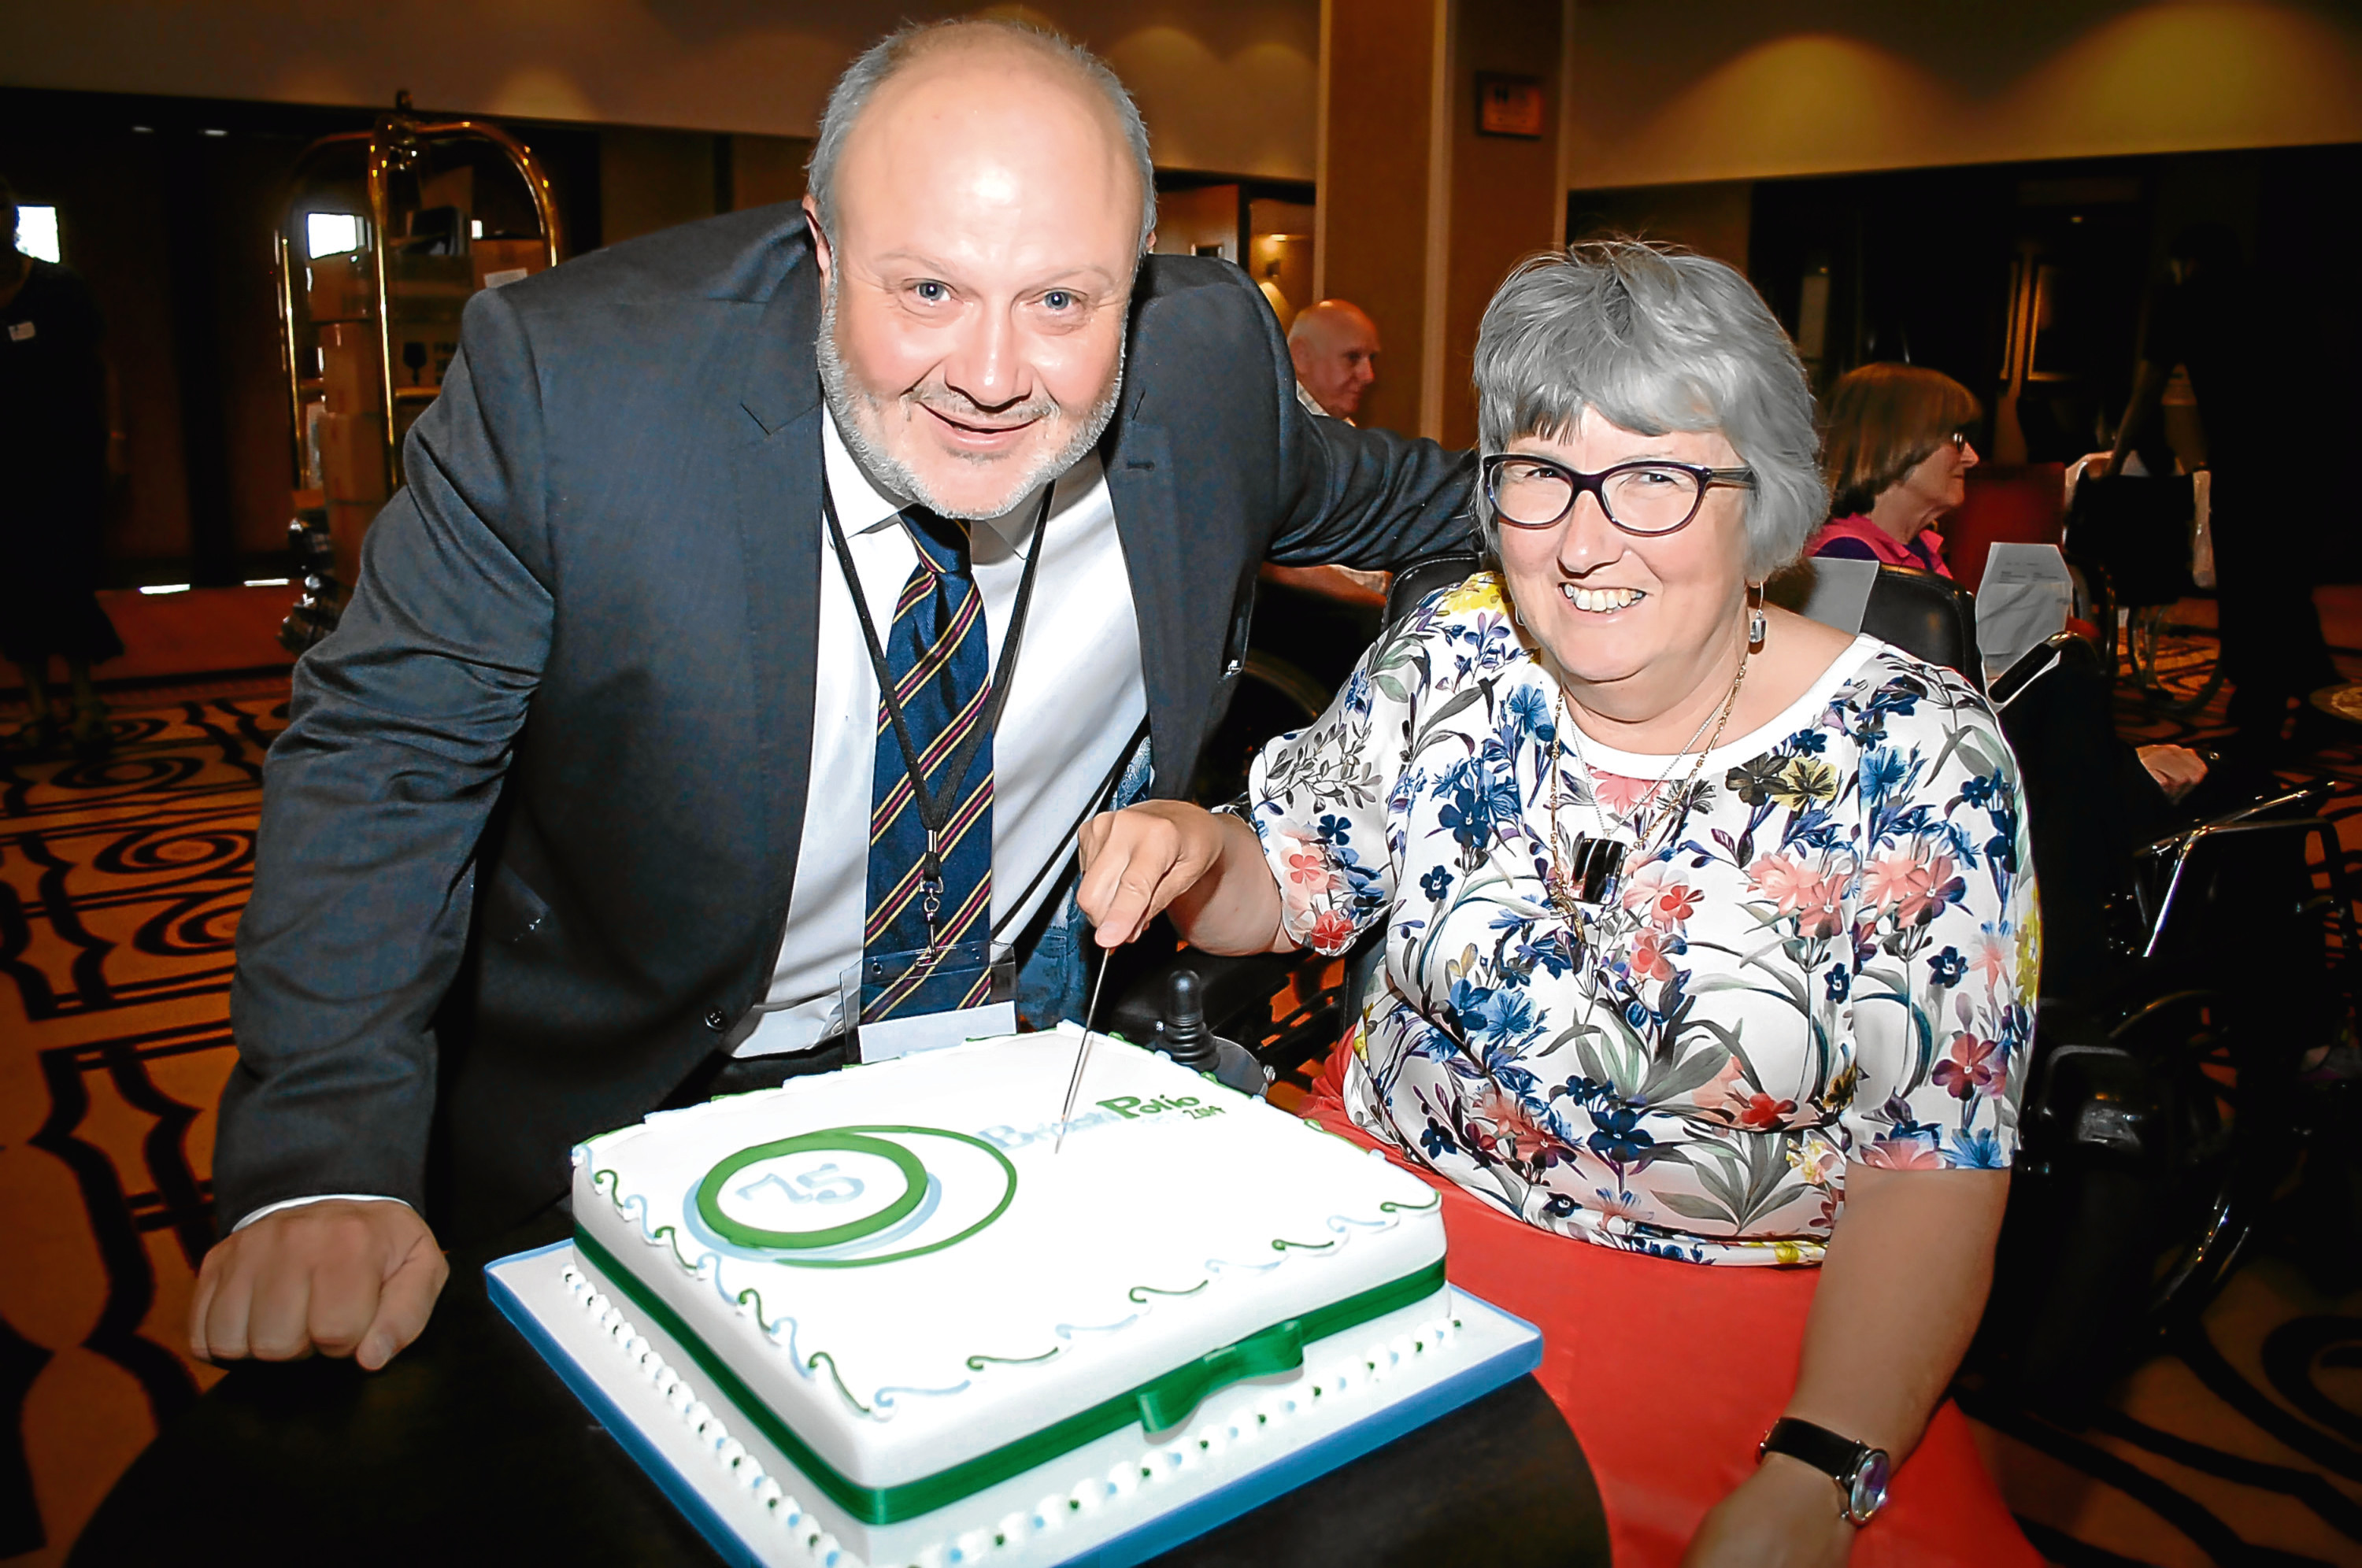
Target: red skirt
<point x="1670" y="1373"/>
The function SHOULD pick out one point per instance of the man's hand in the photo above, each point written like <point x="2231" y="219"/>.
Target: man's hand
<point x="1783" y="1515"/>
<point x="1137" y="861"/>
<point x="2176" y="769"/>
<point x="336" y="1276"/>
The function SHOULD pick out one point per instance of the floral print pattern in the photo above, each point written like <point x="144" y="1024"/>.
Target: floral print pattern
<point x="1832" y="958"/>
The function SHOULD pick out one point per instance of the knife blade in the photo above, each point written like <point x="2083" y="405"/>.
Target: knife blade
<point x="1082" y="1054"/>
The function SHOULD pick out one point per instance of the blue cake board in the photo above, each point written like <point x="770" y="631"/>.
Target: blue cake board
<point x="1158" y="1535"/>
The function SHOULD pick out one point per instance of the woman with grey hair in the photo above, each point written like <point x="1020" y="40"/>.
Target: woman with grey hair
<point x="1707" y="938"/>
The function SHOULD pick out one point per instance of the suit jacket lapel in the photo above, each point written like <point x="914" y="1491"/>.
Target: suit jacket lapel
<point x="1140" y="486"/>
<point x="777" y="481"/>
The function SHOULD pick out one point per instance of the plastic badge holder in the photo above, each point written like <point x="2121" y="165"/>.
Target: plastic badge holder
<point x="900" y="1002"/>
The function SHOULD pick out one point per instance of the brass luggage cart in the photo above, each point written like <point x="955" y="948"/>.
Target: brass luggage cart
<point x="385" y="235"/>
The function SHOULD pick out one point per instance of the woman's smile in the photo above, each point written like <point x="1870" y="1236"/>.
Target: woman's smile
<point x="1600" y="601"/>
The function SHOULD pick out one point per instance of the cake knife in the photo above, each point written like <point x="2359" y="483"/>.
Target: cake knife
<point x="1082" y="1053"/>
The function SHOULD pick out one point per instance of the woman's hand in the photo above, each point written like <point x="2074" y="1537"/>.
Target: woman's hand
<point x="1206" y="871"/>
<point x="1137" y="861"/>
<point x="1783" y="1515"/>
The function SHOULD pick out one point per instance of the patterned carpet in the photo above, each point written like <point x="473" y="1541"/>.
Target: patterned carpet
<point x="120" y="884"/>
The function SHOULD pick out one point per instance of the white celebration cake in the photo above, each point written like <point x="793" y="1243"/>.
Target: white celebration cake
<point x="903" y="1319"/>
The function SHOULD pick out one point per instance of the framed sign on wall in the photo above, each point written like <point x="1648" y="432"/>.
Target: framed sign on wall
<point x="1509" y="106"/>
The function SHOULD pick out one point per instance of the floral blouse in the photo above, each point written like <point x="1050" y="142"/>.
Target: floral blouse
<point x="1831" y="958"/>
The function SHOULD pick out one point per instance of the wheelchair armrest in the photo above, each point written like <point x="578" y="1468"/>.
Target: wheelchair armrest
<point x="2085" y="1090"/>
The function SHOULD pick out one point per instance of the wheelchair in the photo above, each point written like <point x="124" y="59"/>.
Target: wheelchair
<point x="2159" y="1117"/>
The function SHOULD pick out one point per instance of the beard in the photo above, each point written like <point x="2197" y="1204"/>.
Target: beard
<point x="860" y="420"/>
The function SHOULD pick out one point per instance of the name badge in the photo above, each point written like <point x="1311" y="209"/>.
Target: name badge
<point x="20" y="331"/>
<point x="895" y="1003"/>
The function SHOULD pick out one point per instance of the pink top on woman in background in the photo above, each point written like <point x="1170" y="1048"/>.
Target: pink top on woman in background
<point x="1857" y="539"/>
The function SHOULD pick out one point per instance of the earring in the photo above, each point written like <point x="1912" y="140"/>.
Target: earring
<point x="1755" y="623"/>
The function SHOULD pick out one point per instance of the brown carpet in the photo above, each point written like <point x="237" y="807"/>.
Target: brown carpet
<point x="120" y="884"/>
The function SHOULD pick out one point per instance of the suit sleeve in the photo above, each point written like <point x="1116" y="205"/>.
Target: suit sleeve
<point x="1365" y="498"/>
<point x="399" y="733"/>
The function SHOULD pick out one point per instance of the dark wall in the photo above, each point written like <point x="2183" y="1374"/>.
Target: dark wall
<point x="1920" y="263"/>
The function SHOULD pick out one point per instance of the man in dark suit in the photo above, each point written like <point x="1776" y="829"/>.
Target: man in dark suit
<point x="597" y="788"/>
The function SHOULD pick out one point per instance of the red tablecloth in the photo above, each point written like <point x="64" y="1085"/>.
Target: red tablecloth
<point x="1670" y="1373"/>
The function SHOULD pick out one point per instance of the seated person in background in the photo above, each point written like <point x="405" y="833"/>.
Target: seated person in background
<point x="1710" y="938"/>
<point x="1335" y="346"/>
<point x="1896" y="455"/>
<point x="2092" y="802"/>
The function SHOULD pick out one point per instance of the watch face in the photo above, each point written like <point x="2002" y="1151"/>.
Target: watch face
<point x="1870" y="1479"/>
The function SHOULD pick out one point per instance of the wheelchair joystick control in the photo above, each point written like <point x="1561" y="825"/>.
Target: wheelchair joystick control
<point x="1183" y="1035"/>
<point x="1185" y="1038"/>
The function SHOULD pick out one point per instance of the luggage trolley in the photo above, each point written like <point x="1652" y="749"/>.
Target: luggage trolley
<point x="385" y="235"/>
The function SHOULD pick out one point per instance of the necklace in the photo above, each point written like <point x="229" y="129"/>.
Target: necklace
<point x="1591" y="870"/>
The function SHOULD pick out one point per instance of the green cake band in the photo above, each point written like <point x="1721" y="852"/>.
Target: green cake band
<point x="1157" y="1405"/>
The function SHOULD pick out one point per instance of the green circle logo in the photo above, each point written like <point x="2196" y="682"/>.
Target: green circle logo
<point x="971" y="1185"/>
<point x="842" y="1141"/>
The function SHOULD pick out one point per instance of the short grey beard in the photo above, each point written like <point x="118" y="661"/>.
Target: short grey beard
<point x="846" y="402"/>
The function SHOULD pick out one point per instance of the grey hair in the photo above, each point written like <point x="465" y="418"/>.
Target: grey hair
<point x="898" y="48"/>
<point x="1655" y="340"/>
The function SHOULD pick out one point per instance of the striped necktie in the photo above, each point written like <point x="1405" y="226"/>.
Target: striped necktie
<point x="938" y="656"/>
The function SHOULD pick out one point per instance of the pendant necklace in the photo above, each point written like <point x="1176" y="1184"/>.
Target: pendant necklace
<point x="1591" y="870"/>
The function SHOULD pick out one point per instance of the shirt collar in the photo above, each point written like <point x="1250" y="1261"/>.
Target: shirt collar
<point x="864" y="508"/>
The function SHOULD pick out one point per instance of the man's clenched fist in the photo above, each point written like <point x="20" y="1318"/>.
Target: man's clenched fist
<point x="336" y="1276"/>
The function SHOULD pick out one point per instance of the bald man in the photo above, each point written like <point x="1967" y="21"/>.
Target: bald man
<point x="1334" y="347"/>
<point x="602" y="786"/>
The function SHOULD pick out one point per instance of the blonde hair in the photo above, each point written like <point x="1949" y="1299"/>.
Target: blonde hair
<point x="1882" y="421"/>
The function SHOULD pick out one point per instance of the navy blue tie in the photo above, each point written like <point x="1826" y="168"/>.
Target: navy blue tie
<point x="938" y="655"/>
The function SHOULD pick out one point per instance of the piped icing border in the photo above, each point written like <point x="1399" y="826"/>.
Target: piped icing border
<point x="1336" y="1377"/>
<point x="1157" y="1405"/>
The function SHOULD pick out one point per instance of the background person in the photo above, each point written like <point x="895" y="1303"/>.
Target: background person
<point x="2265" y="554"/>
<point x="1897" y="456"/>
<point x="1797" y="1031"/>
<point x="577" y="804"/>
<point x="53" y="425"/>
<point x="1334" y="345"/>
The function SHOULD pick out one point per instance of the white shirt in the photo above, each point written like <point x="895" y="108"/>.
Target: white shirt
<point x="1078" y="698"/>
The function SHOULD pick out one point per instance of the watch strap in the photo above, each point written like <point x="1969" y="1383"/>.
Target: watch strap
<point x="1839" y="1457"/>
<point x="1816" y="1446"/>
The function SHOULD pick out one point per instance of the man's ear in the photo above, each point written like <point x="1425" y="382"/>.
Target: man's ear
<point x="821" y="254"/>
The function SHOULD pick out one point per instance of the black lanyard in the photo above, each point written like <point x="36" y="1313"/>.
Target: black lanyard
<point x="934" y="811"/>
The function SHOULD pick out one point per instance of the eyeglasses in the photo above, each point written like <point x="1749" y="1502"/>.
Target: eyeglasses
<point x="1645" y="498"/>
<point x="1960" y="440"/>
